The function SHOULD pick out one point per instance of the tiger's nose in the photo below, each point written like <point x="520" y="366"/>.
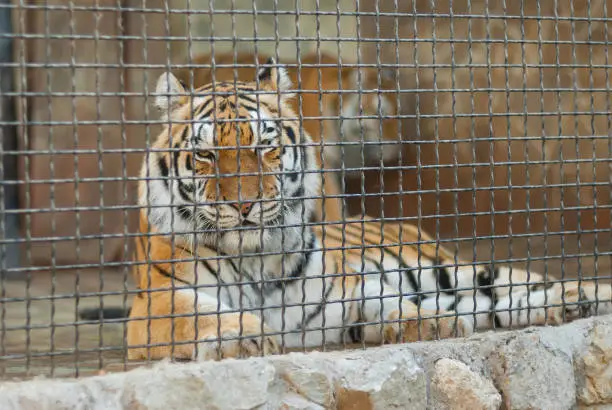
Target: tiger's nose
<point x="245" y="208"/>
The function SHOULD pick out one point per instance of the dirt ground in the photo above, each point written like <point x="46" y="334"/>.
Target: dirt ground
<point x="59" y="345"/>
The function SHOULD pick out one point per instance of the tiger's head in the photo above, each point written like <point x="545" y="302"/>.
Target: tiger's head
<point x="366" y="119"/>
<point x="368" y="113"/>
<point x="226" y="166"/>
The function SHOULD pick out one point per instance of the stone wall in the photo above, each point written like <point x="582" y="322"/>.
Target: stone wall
<point x="564" y="367"/>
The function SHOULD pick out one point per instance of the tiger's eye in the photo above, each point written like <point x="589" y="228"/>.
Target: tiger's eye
<point x="205" y="156"/>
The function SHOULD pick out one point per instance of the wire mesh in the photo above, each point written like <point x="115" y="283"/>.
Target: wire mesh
<point x="434" y="167"/>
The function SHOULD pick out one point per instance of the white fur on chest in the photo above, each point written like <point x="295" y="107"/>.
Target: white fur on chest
<point x="288" y="305"/>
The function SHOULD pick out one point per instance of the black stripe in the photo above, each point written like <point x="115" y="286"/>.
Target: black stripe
<point x="159" y="269"/>
<point x="443" y="279"/>
<point x="167" y="274"/>
<point x="455" y="303"/>
<point x="257" y="104"/>
<point x="163" y="167"/>
<point x="248" y="98"/>
<point x="317" y="310"/>
<point x="299" y="269"/>
<point x="197" y="259"/>
<point x="409" y="272"/>
<point x="541" y="286"/>
<point x="253" y="285"/>
<point x="403" y="268"/>
<point x="237" y="271"/>
<point x="183" y="136"/>
<point x="290" y="134"/>
<point x="519" y="309"/>
<point x="176" y="154"/>
<point x="299" y="193"/>
<point x="206" y="114"/>
<point x="211" y="270"/>
<point x="293" y="175"/>
<point x="185" y="212"/>
<point x="201" y="108"/>
<point x="356" y="332"/>
<point x="486" y="279"/>
<point x="185" y="190"/>
<point x="234" y="267"/>
<point x="228" y="87"/>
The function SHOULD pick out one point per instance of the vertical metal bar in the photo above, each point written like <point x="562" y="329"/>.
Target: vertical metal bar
<point x="381" y="180"/>
<point x="51" y="144"/>
<point x="436" y="136"/>
<point x="23" y="61"/>
<point x="544" y="156"/>
<point x="321" y="156"/>
<point x="100" y="147"/>
<point x="9" y="222"/>
<point x="125" y="269"/>
<point x="400" y="140"/>
<point x="418" y="159"/>
<point x="508" y="186"/>
<point x="342" y="152"/>
<point x="526" y="115"/>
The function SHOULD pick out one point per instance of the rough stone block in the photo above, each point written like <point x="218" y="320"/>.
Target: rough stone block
<point x="455" y="387"/>
<point x="391" y="380"/>
<point x="594" y="368"/>
<point x="380" y="378"/>
<point x="531" y="375"/>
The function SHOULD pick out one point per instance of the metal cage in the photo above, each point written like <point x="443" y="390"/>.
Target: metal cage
<point x="482" y="125"/>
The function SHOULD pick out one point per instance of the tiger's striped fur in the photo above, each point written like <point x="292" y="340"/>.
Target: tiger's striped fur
<point x="253" y="264"/>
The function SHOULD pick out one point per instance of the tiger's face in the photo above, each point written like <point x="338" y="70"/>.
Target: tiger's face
<point x="229" y="161"/>
<point x="369" y="118"/>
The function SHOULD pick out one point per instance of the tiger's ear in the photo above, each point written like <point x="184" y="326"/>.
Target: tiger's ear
<point x="170" y="94"/>
<point x="274" y="77"/>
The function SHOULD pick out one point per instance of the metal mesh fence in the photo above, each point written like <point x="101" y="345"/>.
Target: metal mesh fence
<point x="312" y="175"/>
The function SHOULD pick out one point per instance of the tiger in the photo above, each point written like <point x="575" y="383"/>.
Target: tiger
<point x="230" y="266"/>
<point x="352" y="110"/>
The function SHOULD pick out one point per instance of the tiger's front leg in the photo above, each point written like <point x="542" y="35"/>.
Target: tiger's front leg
<point x="161" y="331"/>
<point x="408" y="324"/>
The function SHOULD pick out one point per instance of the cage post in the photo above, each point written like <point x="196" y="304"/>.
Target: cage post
<point x="9" y="227"/>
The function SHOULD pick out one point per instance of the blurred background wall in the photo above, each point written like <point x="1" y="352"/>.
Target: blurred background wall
<point x="110" y="60"/>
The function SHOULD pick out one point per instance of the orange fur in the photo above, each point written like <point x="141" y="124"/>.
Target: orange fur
<point x="177" y="321"/>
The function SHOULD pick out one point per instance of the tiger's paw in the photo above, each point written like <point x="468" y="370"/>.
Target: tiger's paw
<point x="569" y="305"/>
<point x="235" y="341"/>
<point x="412" y="329"/>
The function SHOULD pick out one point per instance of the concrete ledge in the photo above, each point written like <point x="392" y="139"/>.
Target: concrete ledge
<point x="562" y="367"/>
